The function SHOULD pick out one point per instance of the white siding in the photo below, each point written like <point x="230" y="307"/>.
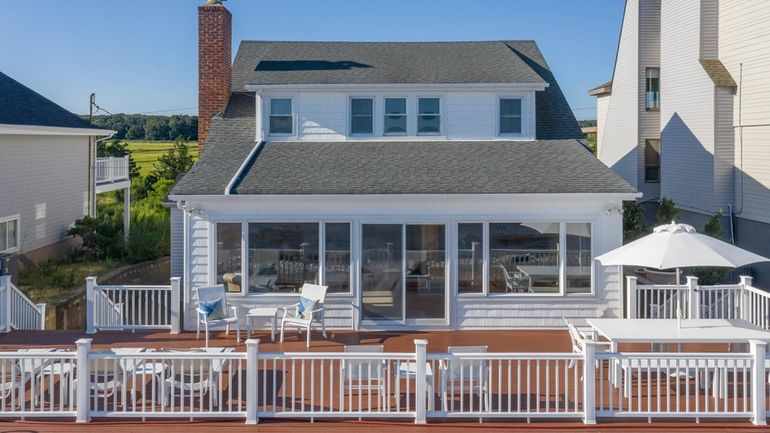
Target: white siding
<point x="471" y="115"/>
<point x="687" y="111"/>
<point x="45" y="180"/>
<point x="620" y="137"/>
<point x="602" y="104"/>
<point x="466" y="312"/>
<point x="322" y="116"/>
<point x="744" y="49"/>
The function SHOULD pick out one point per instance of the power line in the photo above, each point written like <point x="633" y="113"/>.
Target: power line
<point x="166" y="111"/>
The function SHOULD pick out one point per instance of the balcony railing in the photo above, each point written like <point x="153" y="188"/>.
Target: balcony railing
<point x="111" y="169"/>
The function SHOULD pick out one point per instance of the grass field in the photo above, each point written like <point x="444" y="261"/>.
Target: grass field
<point x="145" y="153"/>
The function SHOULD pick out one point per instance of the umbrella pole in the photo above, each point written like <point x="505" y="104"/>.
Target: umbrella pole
<point x="678" y="301"/>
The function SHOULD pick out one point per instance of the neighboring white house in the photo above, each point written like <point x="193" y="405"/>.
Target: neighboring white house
<point x="687" y="112"/>
<point x="428" y="184"/>
<point x="48" y="173"/>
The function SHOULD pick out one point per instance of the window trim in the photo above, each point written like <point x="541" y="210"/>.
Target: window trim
<point x="350" y="116"/>
<point x="293" y="115"/>
<point x="406" y="116"/>
<point x="646" y="87"/>
<point x="17" y="219"/>
<point x="440" y="116"/>
<point x="498" y="116"/>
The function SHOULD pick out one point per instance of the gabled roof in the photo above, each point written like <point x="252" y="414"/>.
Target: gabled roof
<point x="20" y="105"/>
<point x="601" y="89"/>
<point x="283" y="62"/>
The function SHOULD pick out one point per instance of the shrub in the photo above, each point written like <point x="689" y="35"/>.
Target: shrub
<point x="667" y="211"/>
<point x="713" y="228"/>
<point x="633" y="214"/>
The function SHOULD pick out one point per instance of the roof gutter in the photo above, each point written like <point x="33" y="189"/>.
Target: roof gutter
<point x="52" y="130"/>
<point x="404" y="86"/>
<point x="246" y="162"/>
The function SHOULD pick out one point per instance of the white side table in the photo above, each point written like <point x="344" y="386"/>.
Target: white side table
<point x="262" y="313"/>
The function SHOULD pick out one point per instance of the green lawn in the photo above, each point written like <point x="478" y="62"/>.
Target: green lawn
<point x="145" y="153"/>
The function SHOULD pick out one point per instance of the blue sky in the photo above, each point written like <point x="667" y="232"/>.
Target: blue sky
<point x="139" y="56"/>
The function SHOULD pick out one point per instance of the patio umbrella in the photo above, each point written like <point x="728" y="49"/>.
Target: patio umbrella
<point x="679" y="246"/>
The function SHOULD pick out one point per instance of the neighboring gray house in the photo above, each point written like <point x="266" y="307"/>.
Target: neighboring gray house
<point x="428" y="184"/>
<point x="687" y="112"/>
<point x="48" y="173"/>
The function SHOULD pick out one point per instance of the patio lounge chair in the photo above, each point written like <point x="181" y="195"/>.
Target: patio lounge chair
<point x="466" y="376"/>
<point x="194" y="377"/>
<point x="213" y="310"/>
<point x="365" y="374"/>
<point x="104" y="379"/>
<point x="516" y="281"/>
<point x="11" y="380"/>
<point x="579" y="337"/>
<point x="306" y="311"/>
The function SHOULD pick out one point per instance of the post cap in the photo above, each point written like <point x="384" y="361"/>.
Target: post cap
<point x="252" y="341"/>
<point x="420" y="342"/>
<point x="84" y="341"/>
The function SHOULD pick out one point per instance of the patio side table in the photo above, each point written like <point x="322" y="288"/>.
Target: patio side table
<point x="262" y="313"/>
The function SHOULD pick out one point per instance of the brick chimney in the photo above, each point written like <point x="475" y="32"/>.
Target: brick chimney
<point x="214" y="63"/>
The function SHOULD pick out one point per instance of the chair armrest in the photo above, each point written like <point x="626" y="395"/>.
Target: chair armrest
<point x="287" y="308"/>
<point x="201" y="314"/>
<point x="235" y="311"/>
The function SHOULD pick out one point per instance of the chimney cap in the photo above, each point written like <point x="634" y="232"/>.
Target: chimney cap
<point x="214" y="3"/>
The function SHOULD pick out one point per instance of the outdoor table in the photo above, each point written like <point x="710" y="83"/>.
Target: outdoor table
<point x="262" y="313"/>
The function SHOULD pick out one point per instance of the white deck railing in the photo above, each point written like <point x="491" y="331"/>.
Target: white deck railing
<point x="111" y="169"/>
<point x="220" y="383"/>
<point x="730" y="301"/>
<point x="132" y="307"/>
<point x="17" y="311"/>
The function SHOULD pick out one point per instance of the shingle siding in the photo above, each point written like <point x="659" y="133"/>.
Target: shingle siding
<point x="45" y="180"/>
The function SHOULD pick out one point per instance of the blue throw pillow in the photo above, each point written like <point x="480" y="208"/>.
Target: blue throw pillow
<point x="211" y="308"/>
<point x="305" y="306"/>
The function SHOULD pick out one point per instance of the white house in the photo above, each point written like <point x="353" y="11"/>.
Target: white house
<point x="686" y="114"/>
<point x="49" y="173"/>
<point x="428" y="184"/>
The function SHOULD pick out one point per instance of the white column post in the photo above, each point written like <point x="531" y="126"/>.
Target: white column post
<point x="693" y="298"/>
<point x="83" y="376"/>
<point x="175" y="306"/>
<point x="420" y="380"/>
<point x="252" y="374"/>
<point x="589" y="382"/>
<point x="758" y="381"/>
<point x="126" y="212"/>
<point x="5" y="291"/>
<point x="41" y="309"/>
<point x="90" y="287"/>
<point x="631" y="283"/>
<point x="746" y="281"/>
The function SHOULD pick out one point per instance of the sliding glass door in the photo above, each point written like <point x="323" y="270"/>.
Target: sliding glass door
<point x="403" y="272"/>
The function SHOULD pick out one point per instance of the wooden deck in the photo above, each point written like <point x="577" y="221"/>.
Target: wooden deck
<point x="438" y="341"/>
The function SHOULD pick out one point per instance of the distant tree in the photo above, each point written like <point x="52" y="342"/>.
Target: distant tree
<point x="175" y="162"/>
<point x="143" y="127"/>
<point x="135" y="132"/>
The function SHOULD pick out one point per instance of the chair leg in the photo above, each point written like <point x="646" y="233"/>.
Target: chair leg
<point x="198" y="330"/>
<point x="238" y="333"/>
<point x="282" y="326"/>
<point x="308" y="336"/>
<point x="323" y="327"/>
<point x="227" y="329"/>
<point x="207" y="334"/>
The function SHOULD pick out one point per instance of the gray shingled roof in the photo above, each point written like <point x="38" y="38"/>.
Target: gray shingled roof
<point x="230" y="139"/>
<point x="281" y="62"/>
<point x="429" y="167"/>
<point x="20" y="105"/>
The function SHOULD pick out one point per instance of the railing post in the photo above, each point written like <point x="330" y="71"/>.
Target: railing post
<point x="589" y="382"/>
<point x="420" y="380"/>
<point x="5" y="315"/>
<point x="175" y="308"/>
<point x="83" y="376"/>
<point x="41" y="309"/>
<point x="631" y="283"/>
<point x="758" y="381"/>
<point x="746" y="281"/>
<point x="252" y="349"/>
<point x="693" y="298"/>
<point x="90" y="287"/>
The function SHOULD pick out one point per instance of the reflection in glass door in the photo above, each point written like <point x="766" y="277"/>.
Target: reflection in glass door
<point x="425" y="272"/>
<point x="382" y="271"/>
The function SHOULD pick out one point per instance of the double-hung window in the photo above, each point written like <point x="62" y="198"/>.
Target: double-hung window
<point x="362" y="116"/>
<point x="395" y="116"/>
<point x="510" y="116"/>
<point x="428" y="116"/>
<point x="652" y="89"/>
<point x="281" y="116"/>
<point x="9" y="234"/>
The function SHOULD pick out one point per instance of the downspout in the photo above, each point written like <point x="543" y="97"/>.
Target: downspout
<point x="246" y="162"/>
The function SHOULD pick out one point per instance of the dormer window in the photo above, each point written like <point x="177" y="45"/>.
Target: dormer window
<point x="428" y="116"/>
<point x="510" y="116"/>
<point x="395" y="116"/>
<point x="361" y="116"/>
<point x="281" y="116"/>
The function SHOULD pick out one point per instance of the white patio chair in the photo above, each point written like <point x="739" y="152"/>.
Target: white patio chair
<point x="104" y="379"/>
<point x="365" y="374"/>
<point x="222" y="314"/>
<point x="466" y="376"/>
<point x="11" y="380"/>
<point x="193" y="377"/>
<point x="579" y="338"/>
<point x="303" y="316"/>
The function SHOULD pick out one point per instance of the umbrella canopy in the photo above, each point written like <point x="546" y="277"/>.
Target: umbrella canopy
<point x="679" y="246"/>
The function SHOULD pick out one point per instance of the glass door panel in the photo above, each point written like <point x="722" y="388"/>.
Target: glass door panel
<point x="382" y="271"/>
<point x="425" y="277"/>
